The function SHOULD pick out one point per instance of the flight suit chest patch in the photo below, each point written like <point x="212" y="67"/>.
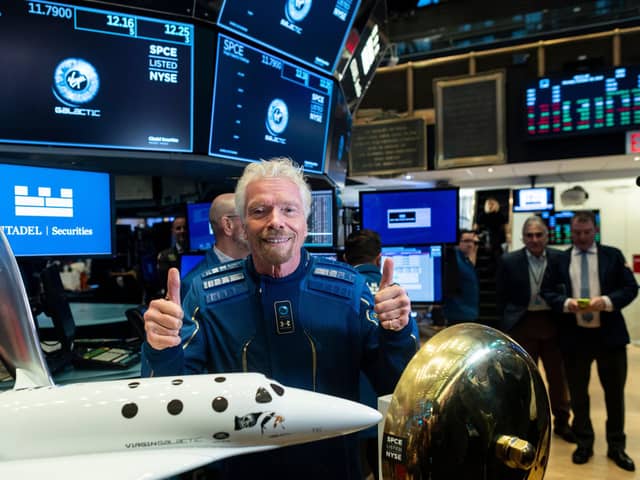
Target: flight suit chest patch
<point x="224" y="286"/>
<point x="323" y="280"/>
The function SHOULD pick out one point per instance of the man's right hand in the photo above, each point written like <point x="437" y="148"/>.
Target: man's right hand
<point x="163" y="319"/>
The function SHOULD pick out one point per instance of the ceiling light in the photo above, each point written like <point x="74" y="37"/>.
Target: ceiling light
<point x="408" y="177"/>
<point x="636" y="159"/>
<point x="490" y="169"/>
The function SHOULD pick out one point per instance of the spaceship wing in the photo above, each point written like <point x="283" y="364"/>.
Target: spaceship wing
<point x="138" y="465"/>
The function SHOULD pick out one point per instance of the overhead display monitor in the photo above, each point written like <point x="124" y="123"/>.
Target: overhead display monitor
<point x="584" y="103"/>
<point x="365" y="46"/>
<point x="85" y="77"/>
<point x="321" y="221"/>
<point x="311" y="32"/>
<point x="559" y="225"/>
<point x="418" y="270"/>
<point x="533" y="199"/>
<point x="264" y="106"/>
<point x="411" y="217"/>
<point x="55" y="212"/>
<point x="201" y="236"/>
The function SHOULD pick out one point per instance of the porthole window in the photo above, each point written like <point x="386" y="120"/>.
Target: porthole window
<point x="174" y="407"/>
<point x="221" y="435"/>
<point x="134" y="384"/>
<point x="129" y="410"/>
<point x="220" y="404"/>
<point x="278" y="389"/>
<point x="220" y="379"/>
<point x="262" y="396"/>
<point x="177" y="381"/>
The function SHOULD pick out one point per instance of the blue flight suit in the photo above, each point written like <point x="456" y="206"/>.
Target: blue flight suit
<point x="314" y="329"/>
<point x="210" y="260"/>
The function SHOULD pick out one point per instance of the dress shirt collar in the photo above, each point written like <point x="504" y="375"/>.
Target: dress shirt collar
<point x="591" y="249"/>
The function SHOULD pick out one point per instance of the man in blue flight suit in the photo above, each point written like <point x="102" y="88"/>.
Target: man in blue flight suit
<point x="307" y="322"/>
<point x="229" y="237"/>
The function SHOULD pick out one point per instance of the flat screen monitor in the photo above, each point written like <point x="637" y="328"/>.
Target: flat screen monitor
<point x="364" y="49"/>
<point x="321" y="221"/>
<point x="418" y="270"/>
<point x="264" y="106"/>
<point x="188" y="261"/>
<point x="533" y="199"/>
<point x="411" y="217"/>
<point x="311" y="32"/>
<point x="583" y="103"/>
<point x="559" y="225"/>
<point x="56" y="212"/>
<point x="201" y="236"/>
<point x="78" y="76"/>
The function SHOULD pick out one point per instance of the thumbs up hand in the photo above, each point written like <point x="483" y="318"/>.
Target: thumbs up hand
<point x="163" y="319"/>
<point x="392" y="303"/>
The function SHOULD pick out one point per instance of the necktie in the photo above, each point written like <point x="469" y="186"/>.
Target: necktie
<point x="584" y="282"/>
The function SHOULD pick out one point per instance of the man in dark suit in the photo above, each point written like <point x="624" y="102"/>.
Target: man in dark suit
<point x="525" y="316"/>
<point x="591" y="283"/>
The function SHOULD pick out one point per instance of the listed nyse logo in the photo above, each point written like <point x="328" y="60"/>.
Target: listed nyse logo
<point x="277" y="117"/>
<point x="297" y="10"/>
<point x="43" y="204"/>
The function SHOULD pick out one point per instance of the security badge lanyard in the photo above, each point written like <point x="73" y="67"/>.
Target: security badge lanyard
<point x="537" y="267"/>
<point x="284" y="317"/>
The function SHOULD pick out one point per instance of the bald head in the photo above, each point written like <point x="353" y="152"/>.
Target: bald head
<point x="227" y="226"/>
<point x="223" y="205"/>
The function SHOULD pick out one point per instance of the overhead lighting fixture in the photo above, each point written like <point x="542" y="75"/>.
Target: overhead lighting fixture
<point x="636" y="159"/>
<point x="490" y="169"/>
<point x="408" y="177"/>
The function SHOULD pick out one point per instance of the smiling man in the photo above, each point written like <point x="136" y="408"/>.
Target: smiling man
<point x="304" y="321"/>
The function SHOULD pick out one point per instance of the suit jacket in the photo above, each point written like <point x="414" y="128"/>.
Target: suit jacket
<point x="616" y="281"/>
<point x="513" y="286"/>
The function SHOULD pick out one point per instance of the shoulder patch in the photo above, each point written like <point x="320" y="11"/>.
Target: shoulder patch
<point x="330" y="271"/>
<point x="224" y="267"/>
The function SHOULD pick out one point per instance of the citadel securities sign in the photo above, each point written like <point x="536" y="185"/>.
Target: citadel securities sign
<point x="53" y="212"/>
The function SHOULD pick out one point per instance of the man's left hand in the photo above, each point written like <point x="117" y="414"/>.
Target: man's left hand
<point x="392" y="303"/>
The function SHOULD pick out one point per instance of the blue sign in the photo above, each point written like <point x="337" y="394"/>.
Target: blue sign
<point x="53" y="212"/>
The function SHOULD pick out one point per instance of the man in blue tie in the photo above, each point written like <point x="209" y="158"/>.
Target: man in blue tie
<point x="591" y="284"/>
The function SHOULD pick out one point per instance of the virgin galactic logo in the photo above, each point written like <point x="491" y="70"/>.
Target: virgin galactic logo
<point x="277" y="117"/>
<point x="297" y="10"/>
<point x="75" y="82"/>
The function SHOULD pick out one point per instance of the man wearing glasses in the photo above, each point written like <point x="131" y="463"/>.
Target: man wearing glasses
<point x="525" y="316"/>
<point x="231" y="243"/>
<point x="462" y="303"/>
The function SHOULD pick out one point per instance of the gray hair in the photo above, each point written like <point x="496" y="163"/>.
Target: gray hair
<point x="279" y="167"/>
<point x="536" y="220"/>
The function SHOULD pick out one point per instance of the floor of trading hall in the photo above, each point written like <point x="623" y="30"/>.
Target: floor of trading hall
<point x="599" y="467"/>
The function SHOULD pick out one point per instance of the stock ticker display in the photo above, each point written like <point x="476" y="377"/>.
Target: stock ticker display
<point x="584" y="103"/>
<point x="311" y="32"/>
<point x="78" y="76"/>
<point x="264" y="106"/>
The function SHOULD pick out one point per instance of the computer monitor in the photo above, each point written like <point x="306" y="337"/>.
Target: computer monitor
<point x="265" y="106"/>
<point x="310" y="32"/>
<point x="87" y="77"/>
<point x="201" y="236"/>
<point x="321" y="221"/>
<point x="411" y="217"/>
<point x="418" y="270"/>
<point x="188" y="261"/>
<point x="533" y="199"/>
<point x="56" y="212"/>
<point x="559" y="225"/>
